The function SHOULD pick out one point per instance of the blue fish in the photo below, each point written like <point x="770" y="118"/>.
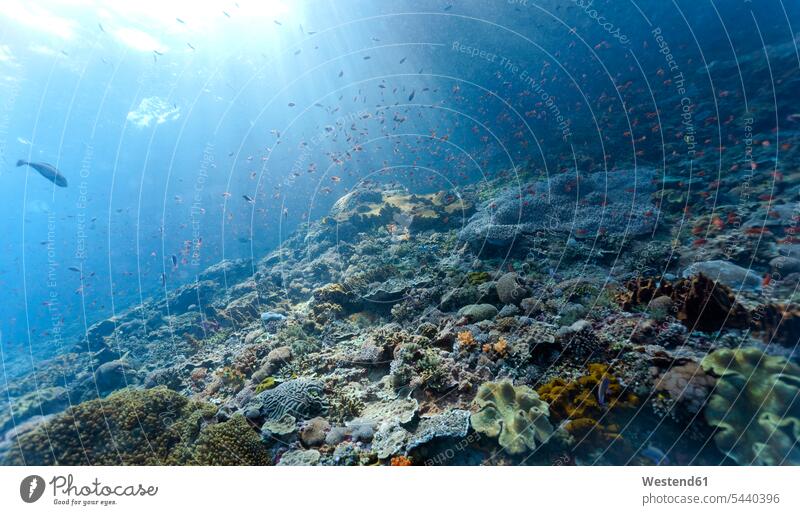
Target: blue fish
<point x="655" y="455"/>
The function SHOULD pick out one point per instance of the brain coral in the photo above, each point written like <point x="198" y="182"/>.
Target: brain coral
<point x="514" y="413"/>
<point x="300" y="398"/>
<point x="755" y="407"/>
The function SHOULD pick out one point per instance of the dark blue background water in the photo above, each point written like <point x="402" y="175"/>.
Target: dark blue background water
<point x="78" y="83"/>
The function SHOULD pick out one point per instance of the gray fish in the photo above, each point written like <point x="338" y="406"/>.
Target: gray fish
<point x="602" y="391"/>
<point x="47" y="171"/>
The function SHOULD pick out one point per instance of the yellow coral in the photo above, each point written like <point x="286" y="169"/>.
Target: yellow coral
<point x="498" y="349"/>
<point x="577" y="402"/>
<point x="267" y="384"/>
<point x="500" y="346"/>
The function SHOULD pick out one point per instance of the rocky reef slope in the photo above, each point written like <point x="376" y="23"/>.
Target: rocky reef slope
<point x="549" y="321"/>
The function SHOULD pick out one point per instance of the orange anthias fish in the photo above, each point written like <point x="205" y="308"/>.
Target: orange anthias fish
<point x="756" y="231"/>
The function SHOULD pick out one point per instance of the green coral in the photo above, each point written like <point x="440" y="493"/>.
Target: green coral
<point x="300" y="342"/>
<point x="416" y="362"/>
<point x="514" y="413"/>
<point x="755" y="406"/>
<point x="232" y="442"/>
<point x="267" y="384"/>
<point x="129" y="427"/>
<point x="231" y="377"/>
<point x="476" y="278"/>
<point x="217" y="338"/>
<point x="432" y="370"/>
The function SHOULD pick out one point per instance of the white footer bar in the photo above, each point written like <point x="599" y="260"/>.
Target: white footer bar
<point x="399" y="490"/>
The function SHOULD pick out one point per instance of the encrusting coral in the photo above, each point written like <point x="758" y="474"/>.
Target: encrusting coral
<point x="755" y="407"/>
<point x="686" y="384"/>
<point x="593" y="405"/>
<point x="513" y="414"/>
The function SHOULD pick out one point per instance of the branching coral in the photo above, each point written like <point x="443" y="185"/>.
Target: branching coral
<point x="755" y="407"/>
<point x="297" y="339"/>
<point x="513" y="414"/>
<point x="498" y="349"/>
<point x="417" y="364"/>
<point x="698" y="302"/>
<point x="465" y="339"/>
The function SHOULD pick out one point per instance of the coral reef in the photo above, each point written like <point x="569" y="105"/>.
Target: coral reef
<point x="402" y="329"/>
